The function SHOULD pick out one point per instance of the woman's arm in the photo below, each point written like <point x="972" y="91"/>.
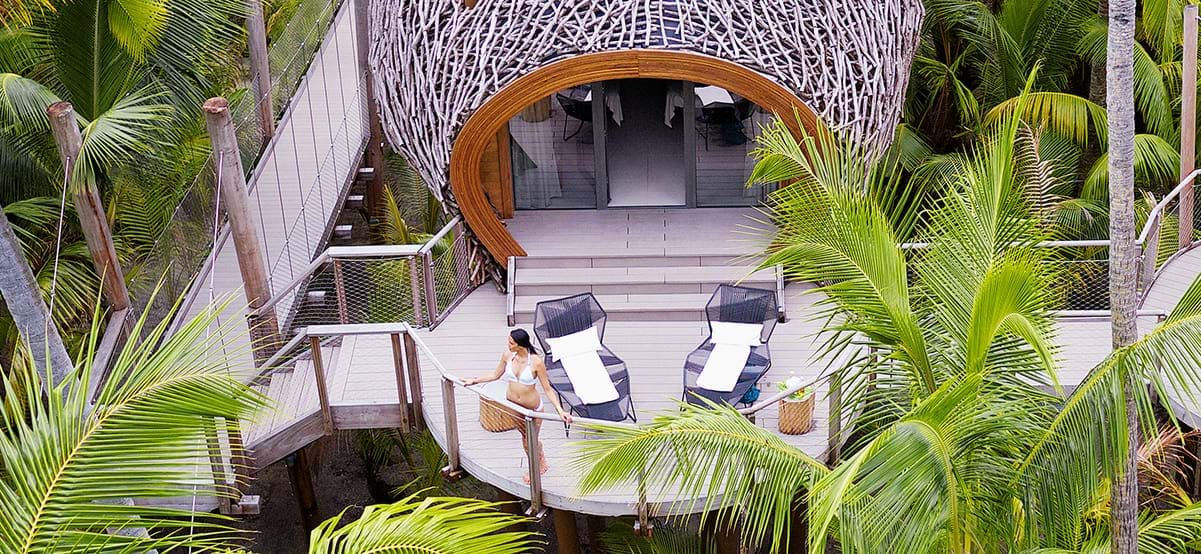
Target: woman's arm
<point x="540" y="370"/>
<point x="500" y="370"/>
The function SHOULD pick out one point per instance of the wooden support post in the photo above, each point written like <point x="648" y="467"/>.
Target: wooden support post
<point x="834" y="438"/>
<point x="798" y="528"/>
<point x="724" y="535"/>
<point x="567" y="532"/>
<point x="375" y="133"/>
<point x="264" y="329"/>
<point x="327" y="417"/>
<point x="260" y="69"/>
<point x="413" y="365"/>
<point x="301" y="476"/>
<point x="1188" y="123"/>
<point x="90" y="209"/>
<point x="402" y="392"/>
<point x="595" y="526"/>
<point x="225" y="495"/>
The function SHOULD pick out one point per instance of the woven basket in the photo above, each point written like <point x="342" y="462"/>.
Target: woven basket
<point x="796" y="417"/>
<point x="497" y="418"/>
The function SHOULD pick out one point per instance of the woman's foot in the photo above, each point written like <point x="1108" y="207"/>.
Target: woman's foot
<point x="542" y="467"/>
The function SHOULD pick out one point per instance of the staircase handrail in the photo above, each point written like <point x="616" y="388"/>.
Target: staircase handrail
<point x="350" y="252"/>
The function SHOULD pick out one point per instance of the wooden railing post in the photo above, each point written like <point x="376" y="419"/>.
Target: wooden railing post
<point x="537" y="510"/>
<point x="1188" y="124"/>
<point x="88" y="207"/>
<point x="412" y="363"/>
<point x="401" y="380"/>
<point x="461" y="252"/>
<point x="834" y="439"/>
<point x="327" y="417"/>
<point x="1150" y="255"/>
<point x="243" y="222"/>
<point x="415" y="289"/>
<point x="643" y="526"/>
<point x="431" y="291"/>
<point x="221" y="485"/>
<point x="340" y="293"/>
<point x="450" y="413"/>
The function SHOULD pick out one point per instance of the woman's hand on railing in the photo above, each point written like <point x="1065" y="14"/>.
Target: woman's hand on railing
<point x="566" y="416"/>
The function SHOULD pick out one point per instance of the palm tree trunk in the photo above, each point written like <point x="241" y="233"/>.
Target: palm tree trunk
<point x="1123" y="265"/>
<point x="24" y="300"/>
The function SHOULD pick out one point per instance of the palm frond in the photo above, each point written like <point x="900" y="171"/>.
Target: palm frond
<point x="687" y="451"/>
<point x="1156" y="164"/>
<point x="1058" y="112"/>
<point x="69" y="464"/>
<point x="430" y="525"/>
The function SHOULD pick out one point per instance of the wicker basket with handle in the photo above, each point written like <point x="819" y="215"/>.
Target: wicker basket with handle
<point x="796" y="416"/>
<point x="497" y="418"/>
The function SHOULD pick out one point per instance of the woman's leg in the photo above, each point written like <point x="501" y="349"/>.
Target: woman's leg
<point x="525" y="445"/>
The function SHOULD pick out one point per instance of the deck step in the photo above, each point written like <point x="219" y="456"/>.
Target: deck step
<point x="634" y="287"/>
<point x="631" y="307"/>
<point x="623" y="258"/>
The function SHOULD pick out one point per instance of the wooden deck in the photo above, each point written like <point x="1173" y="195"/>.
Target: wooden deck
<point x="1165" y="292"/>
<point x="653" y="269"/>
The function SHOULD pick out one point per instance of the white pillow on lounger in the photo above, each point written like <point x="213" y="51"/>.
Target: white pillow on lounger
<point x="576" y="343"/>
<point x="736" y="334"/>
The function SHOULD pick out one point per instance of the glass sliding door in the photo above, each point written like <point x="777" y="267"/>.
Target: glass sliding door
<point x="644" y="144"/>
<point x="552" y="152"/>
<point x="726" y="127"/>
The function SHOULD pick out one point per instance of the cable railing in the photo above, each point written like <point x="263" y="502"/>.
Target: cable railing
<point x="421" y="283"/>
<point x="185" y="243"/>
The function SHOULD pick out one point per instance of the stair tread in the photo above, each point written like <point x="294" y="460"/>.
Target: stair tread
<point x="642" y="275"/>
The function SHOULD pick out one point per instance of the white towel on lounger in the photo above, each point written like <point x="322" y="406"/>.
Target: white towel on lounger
<point x="723" y="367"/>
<point x="588" y="377"/>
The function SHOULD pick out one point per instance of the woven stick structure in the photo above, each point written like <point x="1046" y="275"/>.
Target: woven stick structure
<point x="437" y="61"/>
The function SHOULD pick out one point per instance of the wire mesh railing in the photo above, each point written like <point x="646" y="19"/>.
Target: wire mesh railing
<point x="314" y="32"/>
<point x="417" y="283"/>
<point x="1171" y="226"/>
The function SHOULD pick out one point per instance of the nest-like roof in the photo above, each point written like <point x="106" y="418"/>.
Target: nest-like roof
<point x="436" y="61"/>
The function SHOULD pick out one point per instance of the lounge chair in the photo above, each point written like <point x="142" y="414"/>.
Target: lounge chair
<point x="735" y="354"/>
<point x="590" y="380"/>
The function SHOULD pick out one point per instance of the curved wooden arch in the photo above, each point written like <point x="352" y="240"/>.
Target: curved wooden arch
<point x="483" y="125"/>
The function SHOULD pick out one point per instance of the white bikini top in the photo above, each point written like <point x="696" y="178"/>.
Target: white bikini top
<point x="526" y="377"/>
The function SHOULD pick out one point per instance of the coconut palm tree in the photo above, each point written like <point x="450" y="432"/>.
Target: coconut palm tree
<point x="1123" y="258"/>
<point x="957" y="445"/>
<point x="23" y="298"/>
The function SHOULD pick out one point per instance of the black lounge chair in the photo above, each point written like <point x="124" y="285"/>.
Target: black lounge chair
<point x="580" y="110"/>
<point x="558" y="318"/>
<point x="733" y="304"/>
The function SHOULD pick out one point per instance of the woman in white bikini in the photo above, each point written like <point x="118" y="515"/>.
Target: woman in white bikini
<point x="521" y="367"/>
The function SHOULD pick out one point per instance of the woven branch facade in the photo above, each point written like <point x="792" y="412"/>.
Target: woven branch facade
<point x="436" y="61"/>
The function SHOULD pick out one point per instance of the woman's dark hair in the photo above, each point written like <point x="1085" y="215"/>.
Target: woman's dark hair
<point x="522" y="338"/>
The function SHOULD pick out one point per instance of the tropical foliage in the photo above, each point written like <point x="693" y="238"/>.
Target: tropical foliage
<point x="70" y="464"/>
<point x="435" y="524"/>
<point x="948" y="358"/>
